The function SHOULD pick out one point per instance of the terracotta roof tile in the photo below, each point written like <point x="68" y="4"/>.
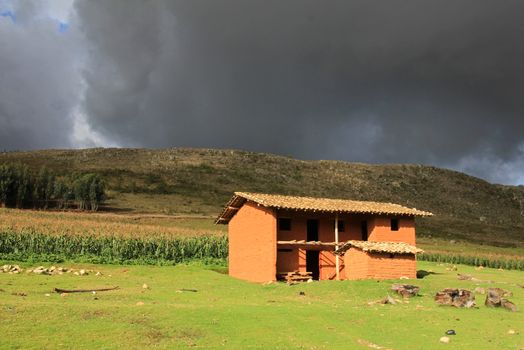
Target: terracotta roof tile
<point x="380" y="247"/>
<point x="315" y="204"/>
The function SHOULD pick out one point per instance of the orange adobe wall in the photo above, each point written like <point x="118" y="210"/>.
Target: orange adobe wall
<point x="362" y="265"/>
<point x="253" y="253"/>
<point x="252" y="244"/>
<point x="295" y="259"/>
<point x="392" y="266"/>
<point x="380" y="230"/>
<point x="357" y="263"/>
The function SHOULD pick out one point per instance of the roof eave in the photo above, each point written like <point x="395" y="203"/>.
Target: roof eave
<point x="234" y="205"/>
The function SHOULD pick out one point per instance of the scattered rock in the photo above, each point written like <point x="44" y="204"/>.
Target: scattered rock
<point x="512" y="331"/>
<point x="388" y="300"/>
<point x="140" y="303"/>
<point x="145" y="286"/>
<point x="12" y="269"/>
<point x="480" y="290"/>
<point x="452" y="268"/>
<point x="47" y="294"/>
<point x="451" y="332"/>
<point x="444" y="340"/>
<point x="479" y="267"/>
<point x="495" y="297"/>
<point x="406" y="290"/>
<point x="501" y="292"/>
<point x="508" y="305"/>
<point x="464" y="277"/>
<point x="455" y="297"/>
<point x="41" y="270"/>
<point x="98" y="273"/>
<point x="19" y="294"/>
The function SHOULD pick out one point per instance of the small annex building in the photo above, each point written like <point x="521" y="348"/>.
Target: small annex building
<point x="271" y="236"/>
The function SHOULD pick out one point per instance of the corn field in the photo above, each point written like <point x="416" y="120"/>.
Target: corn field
<point x="496" y="263"/>
<point x="151" y="239"/>
<point x="109" y="238"/>
<point x="30" y="245"/>
<point x="101" y="225"/>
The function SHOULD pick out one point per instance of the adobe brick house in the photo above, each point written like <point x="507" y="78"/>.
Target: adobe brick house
<point x="271" y="235"/>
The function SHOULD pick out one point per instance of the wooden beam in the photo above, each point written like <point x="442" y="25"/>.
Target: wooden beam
<point x="303" y="242"/>
<point x="337" y="259"/>
<point x="233" y="208"/>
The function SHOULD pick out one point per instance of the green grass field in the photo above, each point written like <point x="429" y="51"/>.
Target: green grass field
<point x="229" y="313"/>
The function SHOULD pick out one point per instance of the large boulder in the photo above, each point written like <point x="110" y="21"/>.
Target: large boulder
<point x="455" y="297"/>
<point x="495" y="297"/>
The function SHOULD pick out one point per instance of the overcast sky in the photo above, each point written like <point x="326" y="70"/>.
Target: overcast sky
<point x="434" y="82"/>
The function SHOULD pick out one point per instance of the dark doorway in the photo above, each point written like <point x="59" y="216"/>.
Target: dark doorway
<point x="364" y="230"/>
<point x="312" y="257"/>
<point x="312" y="263"/>
<point x="312" y="230"/>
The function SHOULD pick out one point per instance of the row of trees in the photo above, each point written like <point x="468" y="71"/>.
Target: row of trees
<point x="19" y="188"/>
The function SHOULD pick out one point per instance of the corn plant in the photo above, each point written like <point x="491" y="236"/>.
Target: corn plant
<point x="486" y="261"/>
<point x="111" y="249"/>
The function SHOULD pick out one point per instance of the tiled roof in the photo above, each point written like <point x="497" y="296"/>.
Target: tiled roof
<point x="315" y="204"/>
<point x="380" y="247"/>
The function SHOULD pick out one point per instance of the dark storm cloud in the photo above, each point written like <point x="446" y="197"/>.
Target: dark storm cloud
<point x="38" y="81"/>
<point x="435" y="82"/>
<point x="381" y="81"/>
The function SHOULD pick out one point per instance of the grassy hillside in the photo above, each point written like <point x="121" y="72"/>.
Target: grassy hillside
<point x="200" y="181"/>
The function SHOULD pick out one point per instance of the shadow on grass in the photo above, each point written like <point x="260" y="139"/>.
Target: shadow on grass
<point x="219" y="269"/>
<point x="423" y="273"/>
